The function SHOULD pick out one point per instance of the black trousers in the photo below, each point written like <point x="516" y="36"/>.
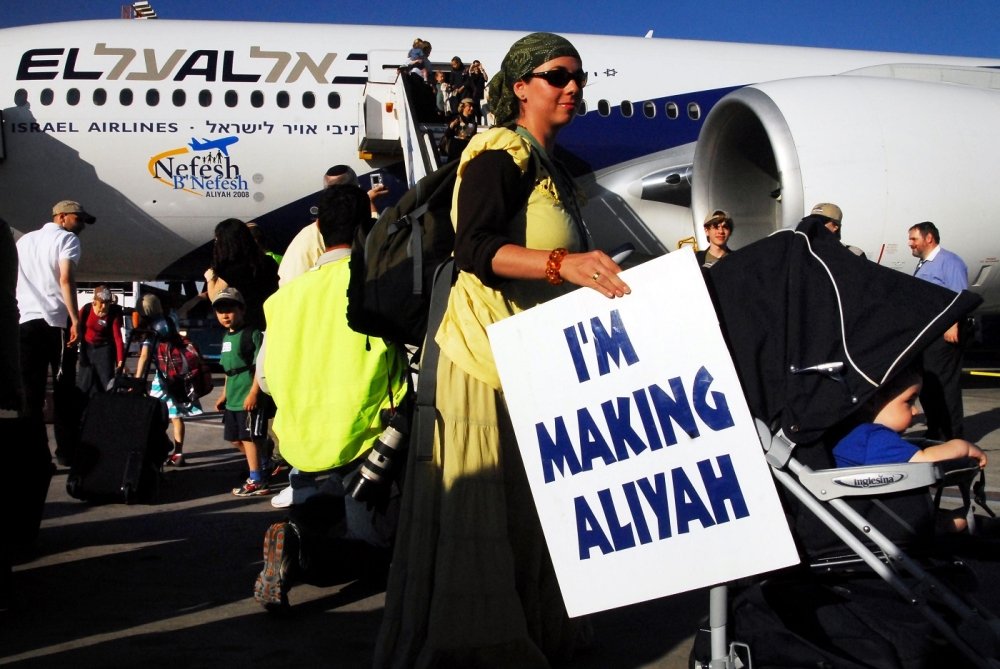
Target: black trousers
<point x="97" y="368"/>
<point x="941" y="396"/>
<point x="43" y="351"/>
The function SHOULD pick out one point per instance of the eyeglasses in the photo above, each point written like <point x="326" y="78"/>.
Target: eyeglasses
<point x="560" y="77"/>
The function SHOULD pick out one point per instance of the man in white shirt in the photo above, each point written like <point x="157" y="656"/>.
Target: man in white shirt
<point x="46" y="299"/>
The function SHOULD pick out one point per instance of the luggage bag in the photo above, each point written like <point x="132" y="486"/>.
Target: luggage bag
<point x="123" y="444"/>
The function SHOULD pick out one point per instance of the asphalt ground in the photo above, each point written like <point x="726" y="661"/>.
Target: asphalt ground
<point x="171" y="583"/>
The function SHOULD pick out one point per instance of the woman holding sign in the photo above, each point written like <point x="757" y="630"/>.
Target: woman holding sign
<point x="471" y="580"/>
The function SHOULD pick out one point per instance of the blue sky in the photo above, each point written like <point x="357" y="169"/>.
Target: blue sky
<point x="961" y="27"/>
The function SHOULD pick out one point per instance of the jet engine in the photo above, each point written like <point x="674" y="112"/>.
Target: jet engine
<point x="893" y="146"/>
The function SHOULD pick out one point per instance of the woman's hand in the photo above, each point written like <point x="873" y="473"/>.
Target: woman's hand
<point x="220" y="403"/>
<point x="214" y="284"/>
<point x="594" y="269"/>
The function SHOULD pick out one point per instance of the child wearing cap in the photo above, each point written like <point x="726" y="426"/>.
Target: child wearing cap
<point x="244" y="424"/>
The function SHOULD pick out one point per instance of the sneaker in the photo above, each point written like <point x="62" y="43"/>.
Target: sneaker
<point x="251" y="488"/>
<point x="276" y="466"/>
<point x="175" y="460"/>
<point x="291" y="496"/>
<point x="273" y="583"/>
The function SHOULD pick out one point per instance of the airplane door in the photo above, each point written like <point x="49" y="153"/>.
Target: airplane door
<point x="377" y="118"/>
<point x="384" y="64"/>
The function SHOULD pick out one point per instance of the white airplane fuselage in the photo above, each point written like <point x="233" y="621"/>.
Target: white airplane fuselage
<point x="164" y="128"/>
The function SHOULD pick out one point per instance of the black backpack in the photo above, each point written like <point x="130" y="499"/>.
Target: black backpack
<point x="392" y="268"/>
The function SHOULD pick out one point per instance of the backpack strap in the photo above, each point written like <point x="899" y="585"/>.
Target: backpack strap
<point x="444" y="188"/>
<point x="84" y="315"/>
<point x="423" y="421"/>
<point x="81" y="326"/>
<point x="564" y="184"/>
<point x="430" y="352"/>
<point x="159" y="341"/>
<point x="246" y="349"/>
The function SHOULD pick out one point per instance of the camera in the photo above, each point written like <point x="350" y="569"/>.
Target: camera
<point x="376" y="179"/>
<point x="374" y="473"/>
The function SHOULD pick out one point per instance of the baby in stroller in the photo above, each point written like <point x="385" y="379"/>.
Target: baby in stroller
<point x="879" y="441"/>
<point x="822" y="341"/>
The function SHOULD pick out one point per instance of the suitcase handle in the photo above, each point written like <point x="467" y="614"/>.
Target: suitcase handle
<point x="128" y="384"/>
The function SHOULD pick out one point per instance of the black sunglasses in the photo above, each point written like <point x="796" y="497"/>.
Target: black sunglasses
<point x="560" y="77"/>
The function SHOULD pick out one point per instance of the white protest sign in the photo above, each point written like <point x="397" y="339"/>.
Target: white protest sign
<point x="641" y="453"/>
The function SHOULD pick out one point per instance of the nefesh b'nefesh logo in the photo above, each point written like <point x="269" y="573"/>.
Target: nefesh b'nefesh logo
<point x="202" y="168"/>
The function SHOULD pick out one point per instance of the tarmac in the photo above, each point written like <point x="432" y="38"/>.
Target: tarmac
<point x="171" y="583"/>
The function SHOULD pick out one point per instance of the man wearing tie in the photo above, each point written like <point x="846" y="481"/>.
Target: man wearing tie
<point x="941" y="397"/>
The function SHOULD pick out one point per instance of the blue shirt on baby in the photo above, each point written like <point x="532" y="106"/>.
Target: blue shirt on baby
<point x="872" y="444"/>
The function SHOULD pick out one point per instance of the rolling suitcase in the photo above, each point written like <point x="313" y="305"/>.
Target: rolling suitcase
<point x="123" y="444"/>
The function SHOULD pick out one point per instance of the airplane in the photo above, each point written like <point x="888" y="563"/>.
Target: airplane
<point x="221" y="144"/>
<point x="667" y="131"/>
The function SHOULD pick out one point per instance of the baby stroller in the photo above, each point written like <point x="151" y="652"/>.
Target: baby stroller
<point x="814" y="330"/>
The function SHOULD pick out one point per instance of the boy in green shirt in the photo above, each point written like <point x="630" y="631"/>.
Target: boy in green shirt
<point x="244" y="424"/>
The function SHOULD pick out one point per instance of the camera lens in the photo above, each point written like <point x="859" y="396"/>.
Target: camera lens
<point x="375" y="470"/>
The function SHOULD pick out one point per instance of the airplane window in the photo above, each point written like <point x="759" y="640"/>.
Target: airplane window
<point x="179" y="97"/>
<point x="73" y="96"/>
<point x="282" y="99"/>
<point x="232" y="99"/>
<point x="581" y="109"/>
<point x="257" y="99"/>
<point x="694" y="111"/>
<point x="47" y="96"/>
<point x="672" y="111"/>
<point x="308" y="100"/>
<point x="21" y="97"/>
<point x="627" y="109"/>
<point x="649" y="109"/>
<point x="604" y="108"/>
<point x="125" y="97"/>
<point x="152" y="97"/>
<point x="100" y="96"/>
<point x="333" y="100"/>
<point x="205" y="98"/>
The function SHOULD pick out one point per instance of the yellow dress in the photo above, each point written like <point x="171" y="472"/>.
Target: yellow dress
<point x="471" y="583"/>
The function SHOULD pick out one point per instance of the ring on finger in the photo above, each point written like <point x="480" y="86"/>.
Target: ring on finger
<point x="596" y="276"/>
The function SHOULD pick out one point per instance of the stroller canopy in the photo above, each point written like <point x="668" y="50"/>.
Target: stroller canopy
<point x="814" y="329"/>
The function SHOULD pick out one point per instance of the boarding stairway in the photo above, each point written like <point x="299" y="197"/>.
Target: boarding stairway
<point x="394" y="118"/>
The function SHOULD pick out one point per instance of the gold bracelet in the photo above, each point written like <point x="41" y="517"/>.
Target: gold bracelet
<point x="553" y="265"/>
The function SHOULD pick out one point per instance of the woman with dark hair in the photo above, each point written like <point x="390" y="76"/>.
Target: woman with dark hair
<point x="263" y="241"/>
<point x="471" y="582"/>
<point x="238" y="261"/>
